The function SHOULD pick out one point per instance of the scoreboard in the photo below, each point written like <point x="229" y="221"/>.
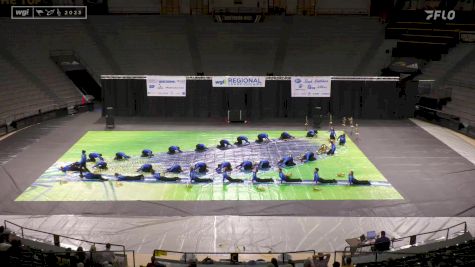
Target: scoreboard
<point x="49" y="12"/>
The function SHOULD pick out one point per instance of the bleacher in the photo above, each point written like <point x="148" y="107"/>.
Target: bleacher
<point x="19" y="97"/>
<point x="462" y="104"/>
<point x="459" y="255"/>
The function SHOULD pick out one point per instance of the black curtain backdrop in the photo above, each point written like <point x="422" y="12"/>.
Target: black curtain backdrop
<point x="360" y="99"/>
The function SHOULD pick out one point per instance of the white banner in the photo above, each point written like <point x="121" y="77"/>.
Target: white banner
<point x="310" y="86"/>
<point x="239" y="81"/>
<point x="166" y="86"/>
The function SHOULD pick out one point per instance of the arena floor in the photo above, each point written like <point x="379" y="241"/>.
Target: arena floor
<point x="421" y="175"/>
<point x="54" y="185"/>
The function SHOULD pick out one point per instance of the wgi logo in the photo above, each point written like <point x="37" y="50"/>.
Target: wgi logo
<point x="442" y="14"/>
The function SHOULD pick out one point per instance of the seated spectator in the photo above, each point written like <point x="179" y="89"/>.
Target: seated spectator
<point x="382" y="243"/>
<point x="81" y="255"/>
<point x="107" y="255"/>
<point x="320" y="260"/>
<point x="274" y="262"/>
<point x="154" y="263"/>
<point x="4" y="246"/>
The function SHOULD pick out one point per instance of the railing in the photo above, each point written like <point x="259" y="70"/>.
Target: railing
<point x="237" y="10"/>
<point x="55" y="239"/>
<point x="226" y="257"/>
<point x="410" y="240"/>
<point x="39" y="258"/>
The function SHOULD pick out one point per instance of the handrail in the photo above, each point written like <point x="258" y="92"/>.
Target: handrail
<point x="22" y="228"/>
<point x="440" y="111"/>
<point x="435" y="231"/>
<point x="393" y="240"/>
<point x="237" y="252"/>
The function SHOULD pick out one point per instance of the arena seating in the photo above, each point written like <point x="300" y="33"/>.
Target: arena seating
<point x="19" y="97"/>
<point x="463" y="101"/>
<point x="460" y="255"/>
<point x="447" y="66"/>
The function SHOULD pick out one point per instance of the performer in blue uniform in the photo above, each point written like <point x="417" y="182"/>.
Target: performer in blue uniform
<point x="262" y="137"/>
<point x="241" y="140"/>
<point x="353" y="181"/>
<point x="312" y="133"/>
<point x="224" y="167"/>
<point x="101" y="164"/>
<point x="92" y="176"/>
<point x="332" y="149"/>
<point x="121" y="177"/>
<point x="226" y="176"/>
<point x="73" y="167"/>
<point x="82" y="163"/>
<point x="194" y="177"/>
<point x="263" y="164"/>
<point x="317" y="179"/>
<point x="245" y="165"/>
<point x="256" y="179"/>
<point x="161" y="178"/>
<point x="224" y="144"/>
<point x="94" y="156"/>
<point x="308" y="156"/>
<point x="286" y="178"/>
<point x="285" y="136"/>
<point x="121" y="156"/>
<point x="342" y="139"/>
<point x="175" y="168"/>
<point x="200" y="148"/>
<point x="287" y="161"/>
<point x="147" y="153"/>
<point x="146" y="168"/>
<point x="201" y="167"/>
<point x="174" y="149"/>
<point x="332" y="133"/>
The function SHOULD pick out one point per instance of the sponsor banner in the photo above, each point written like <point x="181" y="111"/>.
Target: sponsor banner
<point x="239" y="81"/>
<point x="310" y="86"/>
<point x="467" y="37"/>
<point x="166" y="86"/>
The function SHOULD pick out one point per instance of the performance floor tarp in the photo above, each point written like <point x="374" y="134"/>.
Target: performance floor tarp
<point x="55" y="185"/>
<point x="432" y="179"/>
